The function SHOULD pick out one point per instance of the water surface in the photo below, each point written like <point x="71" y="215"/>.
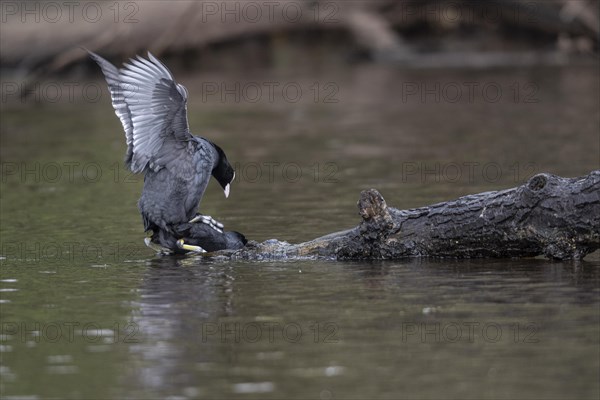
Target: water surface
<point x="89" y="312"/>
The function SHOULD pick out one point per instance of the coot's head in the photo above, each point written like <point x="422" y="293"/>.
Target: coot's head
<point x="223" y="171"/>
<point x="235" y="240"/>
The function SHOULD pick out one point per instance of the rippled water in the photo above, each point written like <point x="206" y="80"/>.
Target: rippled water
<point x="89" y="312"/>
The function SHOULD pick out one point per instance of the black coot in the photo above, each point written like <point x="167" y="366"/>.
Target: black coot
<point x="177" y="165"/>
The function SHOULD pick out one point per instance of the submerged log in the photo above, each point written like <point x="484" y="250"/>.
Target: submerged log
<point x="548" y="215"/>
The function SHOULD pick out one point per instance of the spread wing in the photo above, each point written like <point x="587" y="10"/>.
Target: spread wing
<point x="111" y="74"/>
<point x="152" y="108"/>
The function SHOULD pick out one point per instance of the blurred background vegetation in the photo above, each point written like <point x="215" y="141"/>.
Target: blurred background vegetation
<point x="41" y="37"/>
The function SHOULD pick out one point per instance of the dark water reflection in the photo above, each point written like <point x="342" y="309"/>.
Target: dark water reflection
<point x="88" y="312"/>
<point x="450" y="328"/>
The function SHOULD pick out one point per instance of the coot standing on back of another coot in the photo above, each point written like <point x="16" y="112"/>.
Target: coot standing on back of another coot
<point x="176" y="164"/>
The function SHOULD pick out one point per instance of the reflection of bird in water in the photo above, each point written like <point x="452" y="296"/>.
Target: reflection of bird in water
<point x="177" y="165"/>
<point x="174" y="303"/>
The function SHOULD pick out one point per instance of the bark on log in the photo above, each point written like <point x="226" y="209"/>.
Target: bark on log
<point x="548" y="215"/>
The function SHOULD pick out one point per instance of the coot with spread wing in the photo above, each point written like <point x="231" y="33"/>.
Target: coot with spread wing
<point x="177" y="165"/>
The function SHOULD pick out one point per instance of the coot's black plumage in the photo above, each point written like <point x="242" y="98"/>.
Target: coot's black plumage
<point x="177" y="165"/>
<point x="188" y="235"/>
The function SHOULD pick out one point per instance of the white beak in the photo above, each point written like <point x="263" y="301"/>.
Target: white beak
<point x="227" y="191"/>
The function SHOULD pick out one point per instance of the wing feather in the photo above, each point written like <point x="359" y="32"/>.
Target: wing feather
<point x="151" y="106"/>
<point x="111" y="73"/>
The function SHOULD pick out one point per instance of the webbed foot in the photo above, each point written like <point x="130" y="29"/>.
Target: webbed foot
<point x="208" y="220"/>
<point x="195" y="249"/>
<point x="159" y="249"/>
